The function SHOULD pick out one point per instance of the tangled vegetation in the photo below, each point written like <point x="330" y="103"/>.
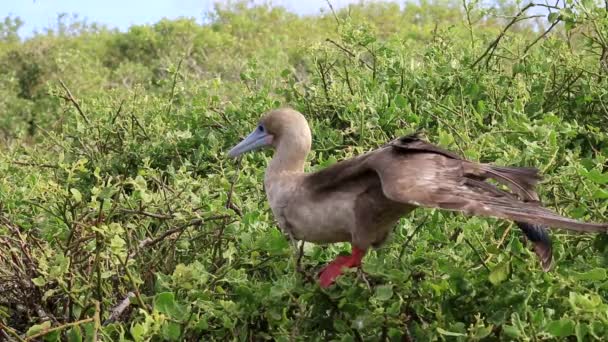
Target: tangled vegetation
<point x="122" y="219"/>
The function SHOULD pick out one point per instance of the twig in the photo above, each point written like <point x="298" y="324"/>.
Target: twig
<point x="331" y="7"/>
<point x="361" y="274"/>
<point x="323" y="80"/>
<point x="98" y="240"/>
<point x="218" y="242"/>
<point x="96" y="320"/>
<point x="118" y="111"/>
<point x="145" y="213"/>
<point x="540" y="37"/>
<point x="349" y="53"/>
<point x="136" y="120"/>
<point x="477" y="252"/>
<point x="147" y="242"/>
<point x="10" y="331"/>
<point x="50" y="166"/>
<point x="179" y="65"/>
<point x="501" y="241"/>
<point x="494" y="44"/>
<point x="71" y="98"/>
<point x="409" y="239"/>
<point x="119" y="309"/>
<point x="299" y="268"/>
<point x="60" y="327"/>
<point x="140" y="300"/>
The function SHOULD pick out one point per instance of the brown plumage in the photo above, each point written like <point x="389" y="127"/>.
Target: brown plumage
<point x="360" y="199"/>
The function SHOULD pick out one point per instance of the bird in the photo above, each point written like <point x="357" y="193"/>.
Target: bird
<point x="359" y="200"/>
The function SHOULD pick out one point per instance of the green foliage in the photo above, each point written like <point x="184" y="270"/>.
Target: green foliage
<point x="115" y="187"/>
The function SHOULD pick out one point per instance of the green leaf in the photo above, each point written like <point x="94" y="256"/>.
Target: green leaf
<point x="589" y="4"/>
<point x="500" y="273"/>
<point x="165" y="303"/>
<point x="445" y="138"/>
<point x="384" y="292"/>
<point x="400" y="101"/>
<point x="138" y="331"/>
<point x="600" y="194"/>
<point x="449" y="333"/>
<point x="596" y="274"/>
<point x="511" y="331"/>
<point x="596" y="176"/>
<point x="75" y="334"/>
<point x="39" y="281"/>
<point x="38" y="328"/>
<point x="553" y="16"/>
<point x="171" y="331"/>
<point x="561" y="328"/>
<point x="581" y="330"/>
<point x="481" y="332"/>
<point x="76" y="195"/>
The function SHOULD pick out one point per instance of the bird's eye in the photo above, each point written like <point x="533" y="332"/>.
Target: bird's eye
<point x="261" y="128"/>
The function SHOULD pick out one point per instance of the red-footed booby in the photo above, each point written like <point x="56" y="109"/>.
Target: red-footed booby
<point x="359" y="200"/>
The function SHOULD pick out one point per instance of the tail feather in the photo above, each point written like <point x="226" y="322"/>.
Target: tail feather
<point x="541" y="216"/>
<point x="522" y="180"/>
<point x="543" y="247"/>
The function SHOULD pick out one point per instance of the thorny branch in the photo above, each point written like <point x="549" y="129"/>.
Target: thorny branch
<point x="71" y="98"/>
<point x="492" y="47"/>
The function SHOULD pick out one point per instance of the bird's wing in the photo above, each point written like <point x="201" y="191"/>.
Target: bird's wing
<point x="419" y="173"/>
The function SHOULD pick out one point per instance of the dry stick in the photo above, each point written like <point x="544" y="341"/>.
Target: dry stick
<point x="61" y="327"/>
<point x="140" y="300"/>
<point x="11" y="332"/>
<point x="96" y="319"/>
<point x="494" y="44"/>
<point x="119" y="309"/>
<point x="98" y="252"/>
<point x="71" y="98"/>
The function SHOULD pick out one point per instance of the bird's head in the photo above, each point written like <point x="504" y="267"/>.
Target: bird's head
<point x="279" y="127"/>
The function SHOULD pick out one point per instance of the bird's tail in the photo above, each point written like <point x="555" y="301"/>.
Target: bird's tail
<point x="539" y="236"/>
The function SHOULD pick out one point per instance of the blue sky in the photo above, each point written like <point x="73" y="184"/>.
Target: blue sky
<point x="39" y="14"/>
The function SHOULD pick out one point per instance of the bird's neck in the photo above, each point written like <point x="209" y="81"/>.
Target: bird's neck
<point x="289" y="156"/>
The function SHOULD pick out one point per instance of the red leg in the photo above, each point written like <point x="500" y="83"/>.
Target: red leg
<point x="333" y="270"/>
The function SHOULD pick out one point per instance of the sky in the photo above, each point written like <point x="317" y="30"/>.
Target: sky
<point x="40" y="14"/>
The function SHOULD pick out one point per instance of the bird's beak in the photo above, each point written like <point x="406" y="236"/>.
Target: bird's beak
<point x="253" y="141"/>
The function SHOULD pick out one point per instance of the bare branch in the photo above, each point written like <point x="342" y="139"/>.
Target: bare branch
<point x="494" y="44"/>
<point x="119" y="309"/>
<point x="71" y="98"/>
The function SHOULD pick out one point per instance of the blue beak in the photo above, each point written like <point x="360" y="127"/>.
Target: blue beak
<point x="257" y="139"/>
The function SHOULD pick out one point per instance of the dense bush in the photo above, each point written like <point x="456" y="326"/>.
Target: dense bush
<point x="115" y="187"/>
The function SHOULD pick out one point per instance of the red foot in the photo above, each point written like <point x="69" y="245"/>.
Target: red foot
<point x="333" y="270"/>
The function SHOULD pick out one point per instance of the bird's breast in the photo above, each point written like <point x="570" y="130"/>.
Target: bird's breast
<point x="320" y="220"/>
